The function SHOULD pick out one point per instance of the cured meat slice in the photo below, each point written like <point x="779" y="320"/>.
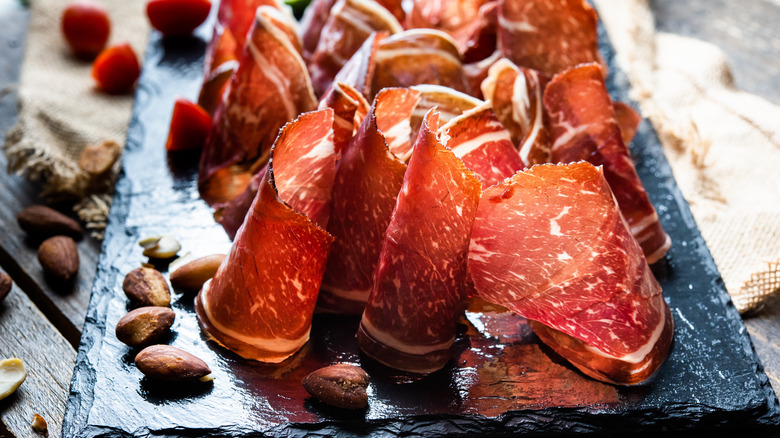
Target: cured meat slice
<point x="358" y="72"/>
<point x="307" y="184"/>
<point x="419" y="56"/>
<point x="477" y="72"/>
<point x="478" y="40"/>
<point x="551" y="244"/>
<point x="516" y="95"/>
<point x="410" y="317"/>
<point x="221" y="61"/>
<point x="261" y="300"/>
<point x="349" y="24"/>
<point x="483" y="144"/>
<point x="368" y="180"/>
<point x="269" y="88"/>
<point x="447" y="15"/>
<point x="583" y="125"/>
<point x="628" y="120"/>
<point x="312" y="22"/>
<point x="238" y="15"/>
<point x="350" y="107"/>
<point x="548" y="35"/>
<point x="448" y="103"/>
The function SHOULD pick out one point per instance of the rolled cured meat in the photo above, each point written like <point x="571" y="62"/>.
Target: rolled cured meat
<point x="516" y="96"/>
<point x="582" y="122"/>
<point x="261" y="300"/>
<point x="368" y="180"/>
<point x="551" y="244"/>
<point x="410" y="317"/>
<point x="349" y="24"/>
<point x="419" y="56"/>
<point x="483" y="144"/>
<point x="548" y="35"/>
<point x="269" y="88"/>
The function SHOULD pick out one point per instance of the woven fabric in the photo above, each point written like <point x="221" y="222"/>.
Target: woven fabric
<point x="723" y="145"/>
<point x="61" y="111"/>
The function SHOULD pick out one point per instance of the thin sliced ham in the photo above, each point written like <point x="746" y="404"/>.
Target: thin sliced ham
<point x="238" y="15"/>
<point x="483" y="144"/>
<point x="221" y="61"/>
<point x="269" y="88"/>
<point x="551" y="244"/>
<point x="409" y="320"/>
<point x="583" y="124"/>
<point x="368" y="180"/>
<point x="516" y="96"/>
<point x="548" y="35"/>
<point x="349" y="24"/>
<point x="350" y="107"/>
<point x="261" y="300"/>
<point x="628" y="119"/>
<point x="419" y="56"/>
<point x="358" y="72"/>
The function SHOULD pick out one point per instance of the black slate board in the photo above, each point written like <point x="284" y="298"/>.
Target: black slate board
<point x="499" y="384"/>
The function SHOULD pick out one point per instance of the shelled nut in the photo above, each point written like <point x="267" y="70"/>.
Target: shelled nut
<point x="147" y="287"/>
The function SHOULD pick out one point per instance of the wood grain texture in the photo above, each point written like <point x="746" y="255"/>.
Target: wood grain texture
<point x="747" y="32"/>
<point x="64" y="304"/>
<point x="49" y="360"/>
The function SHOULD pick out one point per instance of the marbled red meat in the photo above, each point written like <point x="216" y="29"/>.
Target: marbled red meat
<point x="261" y="300"/>
<point x="349" y="107"/>
<point x="269" y="88"/>
<point x="446" y="15"/>
<point x="349" y="24"/>
<point x="419" y="56"/>
<point x="551" y="244"/>
<point x="548" y="35"/>
<point x="368" y="180"/>
<point x="483" y="144"/>
<point x="409" y="321"/>
<point x="238" y="15"/>
<point x="221" y="61"/>
<point x="516" y="96"/>
<point x="583" y="126"/>
<point x="628" y="120"/>
<point x="358" y="72"/>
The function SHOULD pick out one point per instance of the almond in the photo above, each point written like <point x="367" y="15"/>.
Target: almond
<point x="41" y="222"/>
<point x="5" y="285"/>
<point x="144" y="326"/>
<point x="341" y="385"/>
<point x="190" y="277"/>
<point x="163" y="362"/>
<point x="59" y="257"/>
<point x="97" y="159"/>
<point x="147" y="287"/>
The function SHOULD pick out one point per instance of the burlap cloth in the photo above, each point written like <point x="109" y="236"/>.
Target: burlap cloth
<point x="61" y="111"/>
<point x="723" y="144"/>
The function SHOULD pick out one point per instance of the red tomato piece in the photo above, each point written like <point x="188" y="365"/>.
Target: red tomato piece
<point x="190" y="125"/>
<point x="177" y="17"/>
<point x="86" y="27"/>
<point x="116" y="69"/>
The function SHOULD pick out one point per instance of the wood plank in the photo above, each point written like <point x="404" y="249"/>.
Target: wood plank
<point x="64" y="305"/>
<point x="49" y="360"/>
<point x="747" y="32"/>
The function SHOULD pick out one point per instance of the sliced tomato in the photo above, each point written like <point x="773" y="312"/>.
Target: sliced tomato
<point x="116" y="69"/>
<point x="177" y="17"/>
<point x="190" y="125"/>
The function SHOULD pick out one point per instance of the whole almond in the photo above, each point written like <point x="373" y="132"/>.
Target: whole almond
<point x="97" y="159"/>
<point x="191" y="276"/>
<point x="147" y="287"/>
<point x="163" y="362"/>
<point x="144" y="326"/>
<point x="41" y="222"/>
<point x="59" y="257"/>
<point x="5" y="285"/>
<point x="341" y="385"/>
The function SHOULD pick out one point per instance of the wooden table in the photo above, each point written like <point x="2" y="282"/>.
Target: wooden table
<point x="41" y="323"/>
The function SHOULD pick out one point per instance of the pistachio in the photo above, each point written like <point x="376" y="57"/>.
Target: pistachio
<point x="191" y="275"/>
<point x="144" y="326"/>
<point x="341" y="385"/>
<point x="39" y="425"/>
<point x="147" y="287"/>
<point x="12" y="374"/>
<point x="59" y="257"/>
<point x="160" y="247"/>
<point x="41" y="222"/>
<point x="163" y="362"/>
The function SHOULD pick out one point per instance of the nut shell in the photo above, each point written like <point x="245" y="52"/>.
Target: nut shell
<point x="59" y="257"/>
<point x="163" y="362"/>
<point x="144" y="326"/>
<point x="340" y="385"/>
<point x="5" y="285"/>
<point x="147" y="287"/>
<point x="41" y="222"/>
<point x="191" y="276"/>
